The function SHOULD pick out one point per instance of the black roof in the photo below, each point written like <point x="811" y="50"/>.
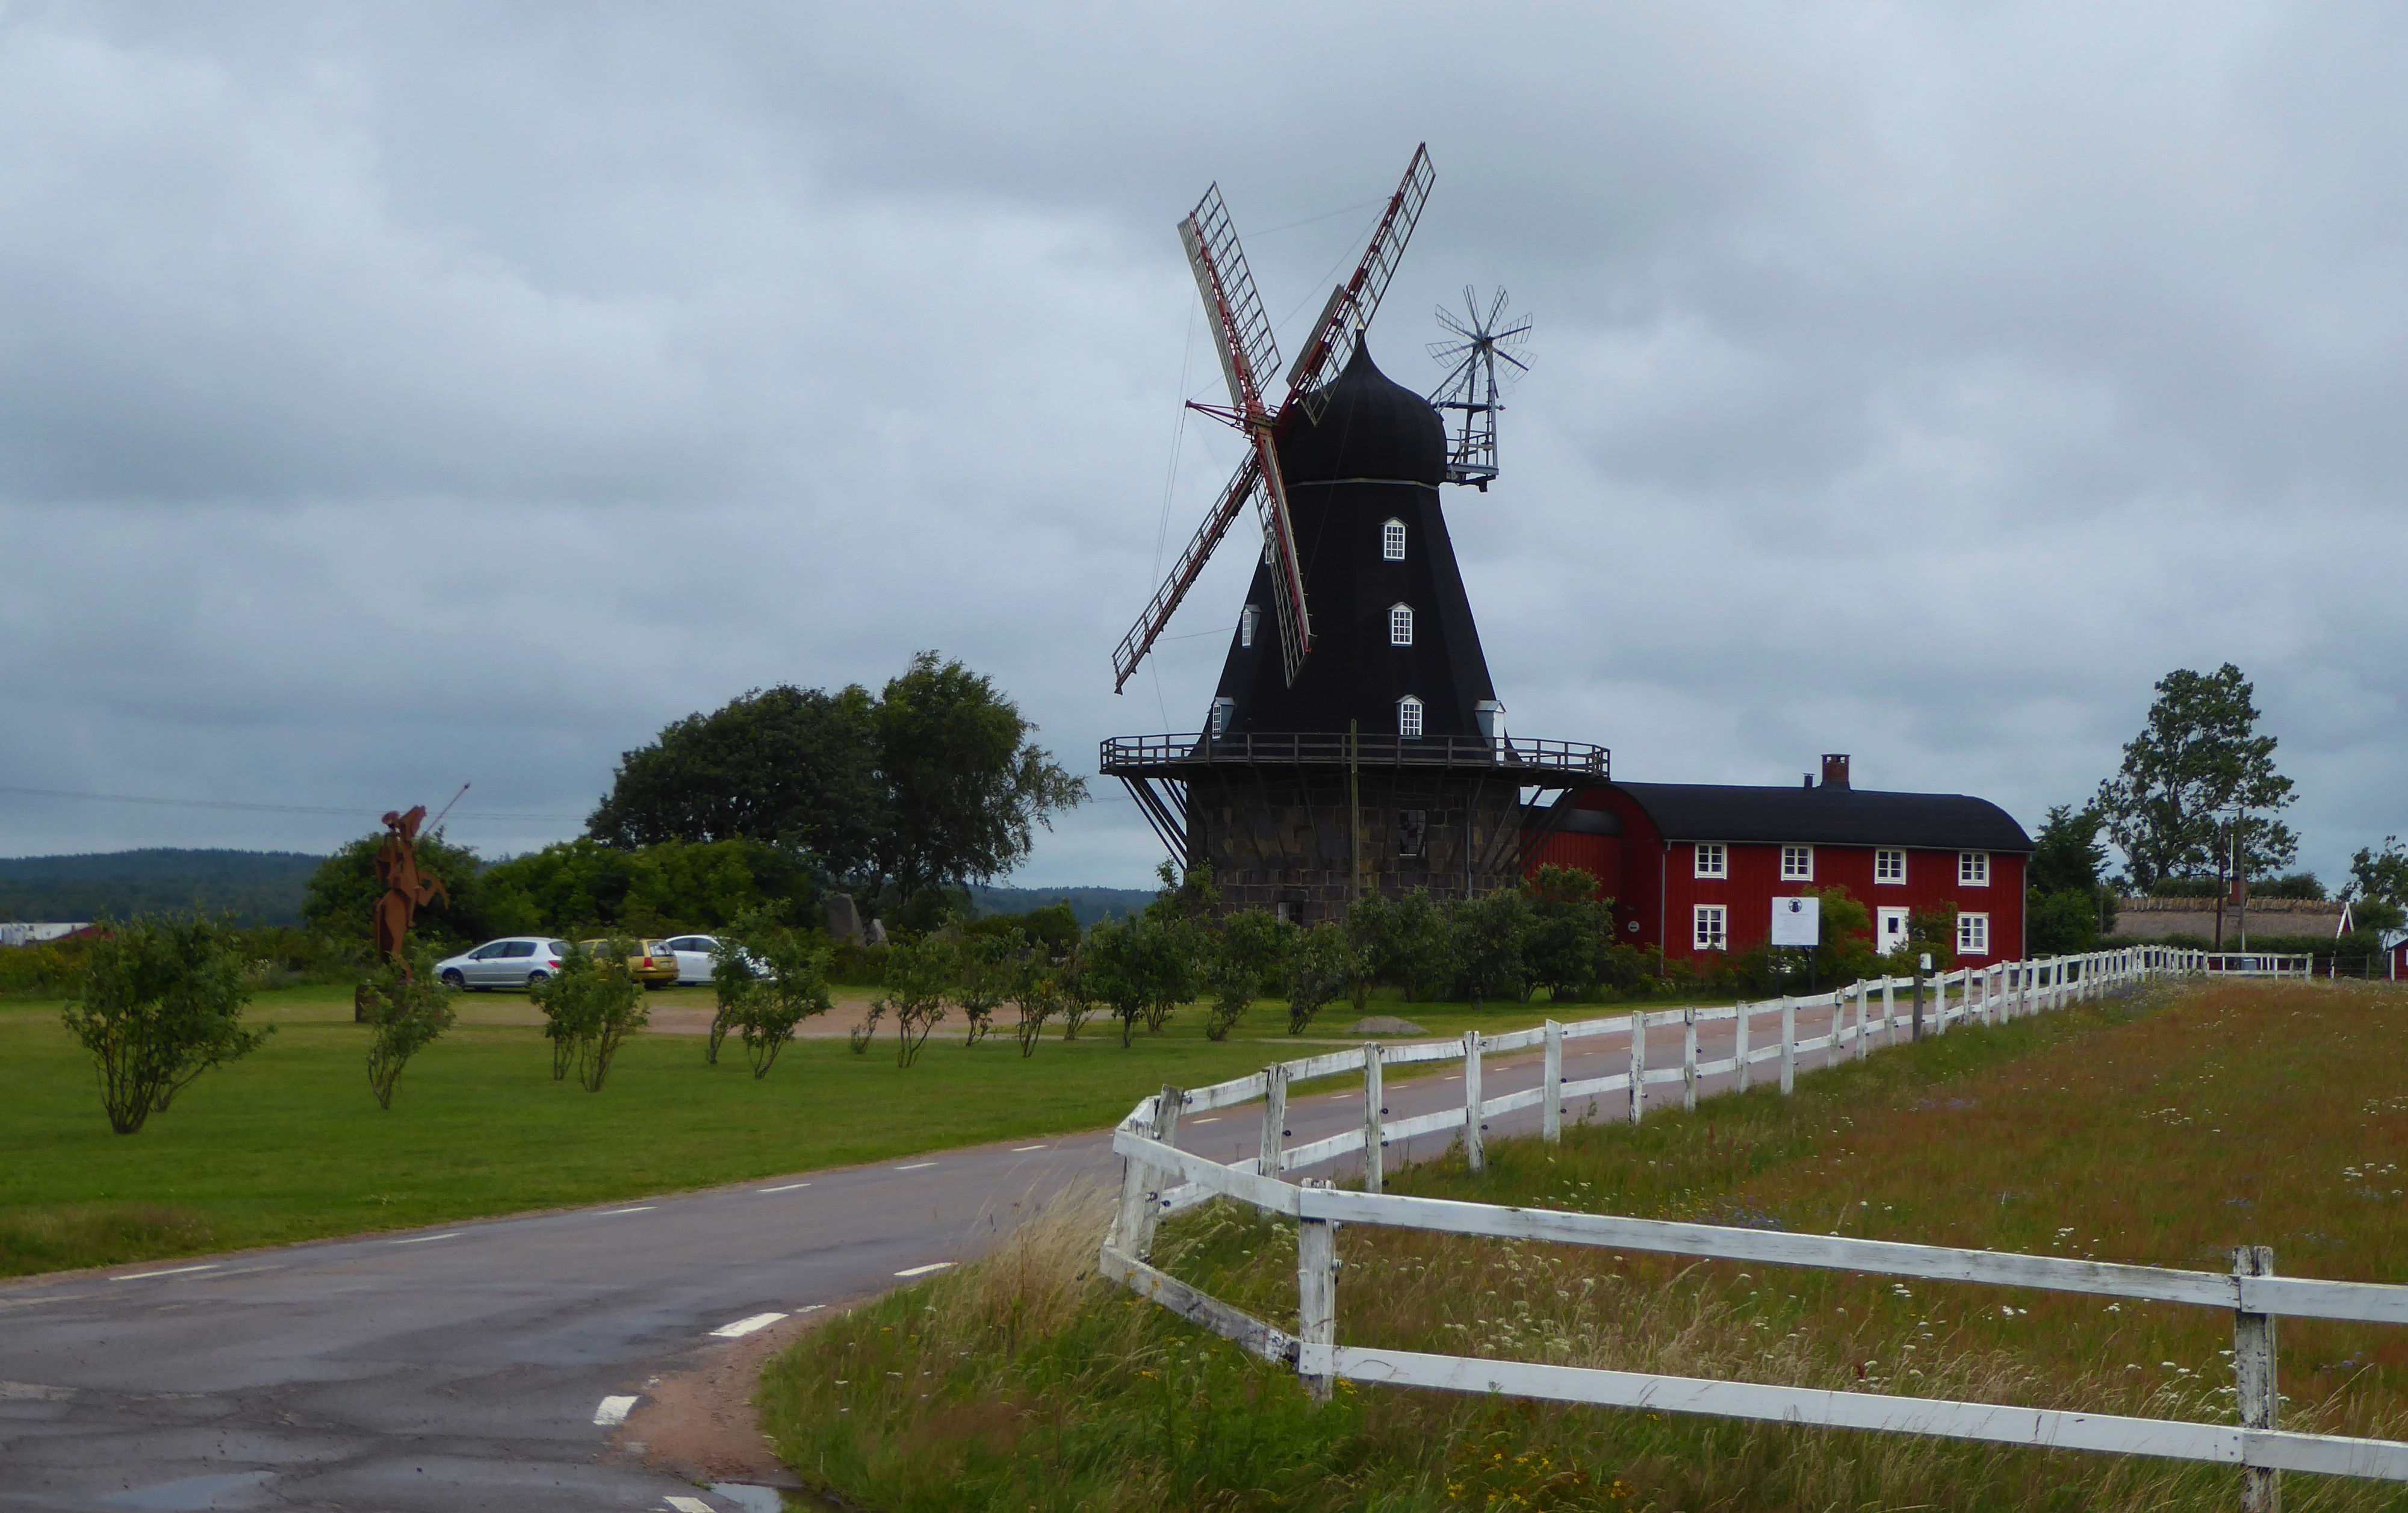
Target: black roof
<point x="1370" y="427"/>
<point x="1828" y="815"/>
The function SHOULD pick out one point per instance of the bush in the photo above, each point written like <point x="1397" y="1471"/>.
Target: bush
<point x="789" y="986"/>
<point x="1488" y="938"/>
<point x="1321" y="966"/>
<point x="919" y="975"/>
<point x="1251" y="946"/>
<point x="407" y="1008"/>
<point x="1569" y="934"/>
<point x="590" y="1008"/>
<point x="158" y="1004"/>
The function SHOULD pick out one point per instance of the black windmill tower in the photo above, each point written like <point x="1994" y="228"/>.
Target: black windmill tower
<point x="1354" y="741"/>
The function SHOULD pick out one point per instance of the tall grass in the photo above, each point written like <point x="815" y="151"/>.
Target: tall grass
<point x="2127" y="1132"/>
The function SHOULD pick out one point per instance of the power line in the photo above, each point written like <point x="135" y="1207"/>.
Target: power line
<point x="260" y="809"/>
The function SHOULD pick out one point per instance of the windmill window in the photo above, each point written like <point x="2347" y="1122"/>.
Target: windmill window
<point x="1409" y="717"/>
<point x="1400" y="624"/>
<point x="1246" y="625"/>
<point x="1392" y="541"/>
<point x="1222" y="710"/>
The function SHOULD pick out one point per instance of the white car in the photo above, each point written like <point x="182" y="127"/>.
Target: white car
<point x="697" y="958"/>
<point x="512" y="961"/>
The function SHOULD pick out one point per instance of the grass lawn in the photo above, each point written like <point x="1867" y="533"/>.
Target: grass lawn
<point x="288" y="1145"/>
<point x="2163" y="1130"/>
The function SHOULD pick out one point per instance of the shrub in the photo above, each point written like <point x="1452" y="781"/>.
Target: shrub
<point x="919" y="975"/>
<point x="590" y="1008"/>
<point x="1488" y="936"/>
<point x="789" y="986"/>
<point x="983" y="982"/>
<point x="407" y="1009"/>
<point x="159" y="1003"/>
<point x="1251" y="946"/>
<point x="1321" y="966"/>
<point x="1570" y="932"/>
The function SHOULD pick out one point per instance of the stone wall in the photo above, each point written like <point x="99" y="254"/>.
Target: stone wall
<point x="2154" y="919"/>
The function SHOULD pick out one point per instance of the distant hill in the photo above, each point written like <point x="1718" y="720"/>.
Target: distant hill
<point x="1087" y="905"/>
<point x="257" y="887"/>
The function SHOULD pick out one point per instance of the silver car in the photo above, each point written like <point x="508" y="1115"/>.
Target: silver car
<point x="697" y="958"/>
<point x="512" y="961"/>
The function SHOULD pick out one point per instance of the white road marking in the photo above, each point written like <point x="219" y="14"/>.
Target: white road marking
<point x="172" y="1271"/>
<point x="1209" y="1118"/>
<point x="612" y="1411"/>
<point x="788" y="1187"/>
<point x="922" y="1270"/>
<point x="422" y="1239"/>
<point x="743" y="1327"/>
<point x="687" y="1504"/>
<point x="639" y="1208"/>
<point x="1017" y="1150"/>
<point x="916" y="1166"/>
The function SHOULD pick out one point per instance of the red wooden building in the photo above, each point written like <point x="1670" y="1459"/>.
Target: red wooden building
<point x="1695" y="867"/>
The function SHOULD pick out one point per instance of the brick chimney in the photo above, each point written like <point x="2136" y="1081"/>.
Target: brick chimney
<point x="1835" y="769"/>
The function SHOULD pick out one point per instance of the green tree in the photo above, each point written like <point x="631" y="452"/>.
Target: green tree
<point x="1251" y="946"/>
<point x="919" y="975"/>
<point x="1035" y="989"/>
<point x="1570" y="932"/>
<point x="1488" y="938"/>
<point x="1141" y="967"/>
<point x="408" y="1008"/>
<point x="343" y="892"/>
<point x="2198" y="766"/>
<point x="787" y="985"/>
<point x="161" y="1001"/>
<point x="590" y="1007"/>
<point x="2377" y="890"/>
<point x="584" y="886"/>
<point x="1321" y="966"/>
<point x="984" y="982"/>
<point x="1406" y="943"/>
<point x="2068" y="900"/>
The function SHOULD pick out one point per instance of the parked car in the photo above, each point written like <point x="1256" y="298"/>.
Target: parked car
<point x="697" y="957"/>
<point x="650" y="963"/>
<point x="512" y="961"/>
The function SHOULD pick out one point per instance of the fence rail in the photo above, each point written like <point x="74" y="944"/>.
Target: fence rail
<point x="1159" y="1178"/>
<point x="1142" y="754"/>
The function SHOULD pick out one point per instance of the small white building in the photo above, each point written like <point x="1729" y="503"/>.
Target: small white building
<point x="14" y="932"/>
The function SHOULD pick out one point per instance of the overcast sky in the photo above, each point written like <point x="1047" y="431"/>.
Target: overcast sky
<point x="397" y="397"/>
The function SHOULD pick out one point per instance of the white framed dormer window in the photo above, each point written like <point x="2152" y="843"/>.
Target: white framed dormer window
<point x="1972" y="868"/>
<point x="1222" y="710"/>
<point x="1409" y="717"/>
<point x="1400" y="624"/>
<point x="1889" y="865"/>
<point x="1797" y="864"/>
<point x="1973" y="934"/>
<point x="1247" y="620"/>
<point x="1708" y="933"/>
<point x="1714" y="860"/>
<point x="1392" y="541"/>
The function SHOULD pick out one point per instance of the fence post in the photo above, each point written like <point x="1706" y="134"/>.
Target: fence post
<point x="1141" y="1200"/>
<point x="1789" y="1044"/>
<point x="1475" y="1147"/>
<point x="1316" y="1291"/>
<point x="1889" y="1011"/>
<point x="1373" y="1107"/>
<point x="1551" y="1110"/>
<point x="1918" y="1003"/>
<point x="2253" y="1376"/>
<point x="1740" y="1044"/>
<point x="1638" y="1065"/>
<point x="1862" y="1049"/>
<point x="1270" y="1158"/>
<point x="1689" y="1057"/>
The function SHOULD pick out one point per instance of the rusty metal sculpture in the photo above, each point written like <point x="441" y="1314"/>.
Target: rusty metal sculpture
<point x="407" y="889"/>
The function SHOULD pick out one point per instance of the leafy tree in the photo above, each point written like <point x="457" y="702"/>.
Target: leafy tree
<point x="919" y="975"/>
<point x="1570" y="932"/>
<point x="1251" y="946"/>
<point x="1035" y="989"/>
<point x="1141" y="967"/>
<point x="2378" y="886"/>
<point x="590" y="1007"/>
<point x="1076" y="981"/>
<point x="782" y="766"/>
<point x="1931" y="931"/>
<point x="1406" y="942"/>
<point x="2198" y="762"/>
<point x="585" y="887"/>
<point x="2068" y="900"/>
<point x="1845" y="951"/>
<point x="2061" y="924"/>
<point x="160" y="1002"/>
<point x="1321" y="966"/>
<point x="790" y="985"/>
<point x="342" y="893"/>
<point x="407" y="1009"/>
<point x="735" y="972"/>
<point x="1489" y="937"/>
<point x="984" y="982"/>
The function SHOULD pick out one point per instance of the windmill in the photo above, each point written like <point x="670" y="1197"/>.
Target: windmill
<point x="1477" y="341"/>
<point x="1249" y="357"/>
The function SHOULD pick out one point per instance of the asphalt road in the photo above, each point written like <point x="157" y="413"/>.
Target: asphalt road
<point x="462" y="1369"/>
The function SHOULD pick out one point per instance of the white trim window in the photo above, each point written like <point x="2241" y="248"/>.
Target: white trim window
<point x="1247" y="620"/>
<point x="1889" y="865"/>
<point x="1707" y="932"/>
<point x="1392" y="541"/>
<point x="1409" y="717"/>
<point x="1222" y="710"/>
<point x="1797" y="864"/>
<point x="1400" y="624"/>
<point x="1714" y="860"/>
<point x="1973" y="934"/>
<point x="1972" y="868"/>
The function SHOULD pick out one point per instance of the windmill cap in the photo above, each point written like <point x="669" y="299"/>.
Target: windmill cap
<point x="1370" y="427"/>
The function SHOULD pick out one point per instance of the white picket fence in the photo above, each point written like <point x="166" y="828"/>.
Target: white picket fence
<point x="1159" y="1178"/>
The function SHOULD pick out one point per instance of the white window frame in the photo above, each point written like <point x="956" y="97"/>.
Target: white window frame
<point x="1712" y="858"/>
<point x="1972" y="868"/>
<point x="1224" y="710"/>
<point x="1973" y="934"/>
<point x="1247" y="620"/>
<point x="1409" y="718"/>
<point x="1797" y="864"/>
<point x="1709" y="928"/>
<point x="1400" y="624"/>
<point x="1885" y="859"/>
<point x="1392" y="540"/>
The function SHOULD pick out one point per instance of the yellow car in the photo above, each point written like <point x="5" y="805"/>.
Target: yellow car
<point x="652" y="963"/>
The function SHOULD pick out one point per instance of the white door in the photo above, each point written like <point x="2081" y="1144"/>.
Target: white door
<point x="1889" y="930"/>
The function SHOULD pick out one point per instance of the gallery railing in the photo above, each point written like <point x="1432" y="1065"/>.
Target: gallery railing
<point x="1139" y="755"/>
